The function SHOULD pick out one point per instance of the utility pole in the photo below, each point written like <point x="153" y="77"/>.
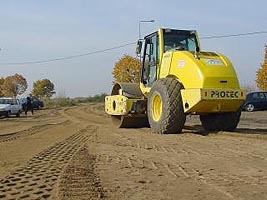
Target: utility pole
<point x="143" y="21"/>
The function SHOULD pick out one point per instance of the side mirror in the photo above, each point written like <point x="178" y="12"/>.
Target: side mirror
<point x="138" y="47"/>
<point x="196" y="52"/>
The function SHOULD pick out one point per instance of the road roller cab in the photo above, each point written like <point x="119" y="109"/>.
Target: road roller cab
<point x="177" y="79"/>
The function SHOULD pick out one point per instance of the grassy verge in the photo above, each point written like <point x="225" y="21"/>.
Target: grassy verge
<point x="66" y="101"/>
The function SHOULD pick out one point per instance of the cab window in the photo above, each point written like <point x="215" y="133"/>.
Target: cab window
<point x="179" y="40"/>
<point x="151" y="57"/>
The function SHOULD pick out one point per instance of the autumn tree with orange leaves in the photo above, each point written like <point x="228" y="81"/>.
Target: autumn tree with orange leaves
<point x="14" y="85"/>
<point x="262" y="73"/>
<point x="127" y="69"/>
<point x="43" y="88"/>
<point x="2" y="80"/>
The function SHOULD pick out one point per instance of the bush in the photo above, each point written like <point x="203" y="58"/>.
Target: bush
<point x="66" y="101"/>
<point x="59" y="102"/>
<point x="92" y="99"/>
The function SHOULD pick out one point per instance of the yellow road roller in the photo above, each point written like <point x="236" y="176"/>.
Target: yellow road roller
<point x="177" y="79"/>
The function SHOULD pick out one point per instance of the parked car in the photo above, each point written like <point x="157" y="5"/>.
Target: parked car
<point x="255" y="101"/>
<point x="36" y="103"/>
<point x="10" y="106"/>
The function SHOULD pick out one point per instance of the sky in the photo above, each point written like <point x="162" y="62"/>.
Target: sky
<point x="33" y="30"/>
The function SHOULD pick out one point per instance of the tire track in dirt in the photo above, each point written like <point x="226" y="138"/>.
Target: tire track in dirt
<point x="97" y="109"/>
<point x="64" y="113"/>
<point x="37" y="178"/>
<point x="85" y="114"/>
<point x="164" y="150"/>
<point x="149" y="145"/>
<point x="31" y="131"/>
<point x="74" y="114"/>
<point x="79" y="180"/>
<point x="171" y="167"/>
<point x="172" y="170"/>
<point x="225" y="149"/>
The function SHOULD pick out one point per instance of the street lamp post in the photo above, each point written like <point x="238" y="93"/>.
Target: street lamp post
<point x="144" y="21"/>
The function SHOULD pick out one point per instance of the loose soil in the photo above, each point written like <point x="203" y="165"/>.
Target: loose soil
<point x="76" y="153"/>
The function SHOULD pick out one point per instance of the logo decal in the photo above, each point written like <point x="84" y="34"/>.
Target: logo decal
<point x="181" y="63"/>
<point x="224" y="94"/>
<point x="213" y="62"/>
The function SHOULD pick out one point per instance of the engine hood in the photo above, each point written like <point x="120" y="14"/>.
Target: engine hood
<point x="4" y="106"/>
<point x="207" y="70"/>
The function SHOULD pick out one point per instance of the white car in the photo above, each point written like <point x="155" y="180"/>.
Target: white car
<point x="10" y="106"/>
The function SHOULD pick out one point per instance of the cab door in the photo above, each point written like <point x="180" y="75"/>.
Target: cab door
<point x="150" y="60"/>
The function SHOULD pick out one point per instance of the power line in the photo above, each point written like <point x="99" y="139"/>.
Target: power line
<point x="68" y="57"/>
<point x="121" y="46"/>
<point x="234" y="35"/>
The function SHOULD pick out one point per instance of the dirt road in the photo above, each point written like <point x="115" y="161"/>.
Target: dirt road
<point x="76" y="153"/>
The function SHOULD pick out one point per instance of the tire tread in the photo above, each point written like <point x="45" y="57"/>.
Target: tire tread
<point x="174" y="118"/>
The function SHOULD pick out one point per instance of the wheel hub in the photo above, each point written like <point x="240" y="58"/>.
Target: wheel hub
<point x="156" y="107"/>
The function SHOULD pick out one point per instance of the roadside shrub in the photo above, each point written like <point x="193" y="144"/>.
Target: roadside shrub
<point x="59" y="102"/>
<point x="92" y="99"/>
<point x="66" y="101"/>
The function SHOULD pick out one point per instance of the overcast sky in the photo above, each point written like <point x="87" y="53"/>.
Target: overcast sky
<point x="33" y="30"/>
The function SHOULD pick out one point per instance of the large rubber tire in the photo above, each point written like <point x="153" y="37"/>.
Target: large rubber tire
<point x="220" y="121"/>
<point x="165" y="108"/>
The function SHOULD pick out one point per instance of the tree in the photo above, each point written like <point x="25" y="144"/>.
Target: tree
<point x="14" y="85"/>
<point x="2" y="80"/>
<point x="43" y="88"/>
<point x="248" y="88"/>
<point x="127" y="69"/>
<point x="262" y="73"/>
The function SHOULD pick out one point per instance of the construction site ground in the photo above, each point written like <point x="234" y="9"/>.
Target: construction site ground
<point x="76" y="153"/>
